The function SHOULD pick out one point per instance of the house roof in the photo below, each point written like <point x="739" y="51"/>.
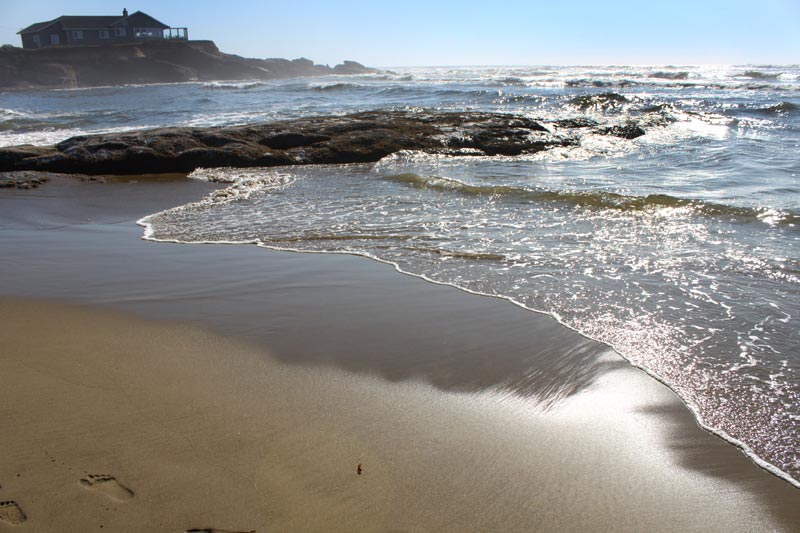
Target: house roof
<point x="153" y="21"/>
<point x="69" y="22"/>
<point x="33" y="28"/>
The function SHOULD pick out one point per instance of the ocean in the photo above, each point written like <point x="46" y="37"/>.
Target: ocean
<point x="679" y="248"/>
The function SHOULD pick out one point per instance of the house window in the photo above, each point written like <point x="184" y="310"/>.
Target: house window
<point x="36" y="41"/>
<point x="148" y="33"/>
<point x="54" y="38"/>
<point x="103" y="34"/>
<point x="119" y="32"/>
<point x="77" y="35"/>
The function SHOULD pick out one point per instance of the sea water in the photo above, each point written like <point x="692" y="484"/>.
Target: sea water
<point x="679" y="248"/>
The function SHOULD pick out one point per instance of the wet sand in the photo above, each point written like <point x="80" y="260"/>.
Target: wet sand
<point x="238" y="388"/>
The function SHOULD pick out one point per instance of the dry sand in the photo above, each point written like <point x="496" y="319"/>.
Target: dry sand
<point x="473" y="415"/>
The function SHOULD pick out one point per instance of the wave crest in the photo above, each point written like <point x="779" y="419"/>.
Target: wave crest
<point x="599" y="199"/>
<point x="243" y="85"/>
<point x="336" y="87"/>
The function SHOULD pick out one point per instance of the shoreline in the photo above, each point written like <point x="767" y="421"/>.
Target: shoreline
<point x="746" y="450"/>
<point x="742" y="446"/>
<point x="220" y="436"/>
<point x="587" y="412"/>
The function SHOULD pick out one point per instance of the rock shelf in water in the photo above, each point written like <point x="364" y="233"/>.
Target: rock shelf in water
<point x="356" y="138"/>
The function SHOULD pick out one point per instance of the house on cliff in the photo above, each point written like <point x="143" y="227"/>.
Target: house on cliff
<point x="72" y="30"/>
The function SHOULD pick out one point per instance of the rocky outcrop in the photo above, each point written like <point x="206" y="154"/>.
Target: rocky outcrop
<point x="628" y="130"/>
<point x="146" y="62"/>
<point x="361" y="137"/>
<point x="22" y="180"/>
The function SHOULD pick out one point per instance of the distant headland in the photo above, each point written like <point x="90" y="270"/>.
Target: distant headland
<point x="75" y="52"/>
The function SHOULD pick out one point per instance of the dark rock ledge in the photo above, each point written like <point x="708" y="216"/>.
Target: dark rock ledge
<point x="357" y="138"/>
<point x="22" y="180"/>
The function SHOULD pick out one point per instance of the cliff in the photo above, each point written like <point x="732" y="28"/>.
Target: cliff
<point x="147" y="62"/>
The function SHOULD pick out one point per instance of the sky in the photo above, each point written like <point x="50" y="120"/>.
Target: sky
<point x="466" y="32"/>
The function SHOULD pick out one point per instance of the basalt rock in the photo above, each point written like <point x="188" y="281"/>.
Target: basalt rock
<point x="22" y="180"/>
<point x="580" y="122"/>
<point x="603" y="101"/>
<point x="629" y="130"/>
<point x="356" y="138"/>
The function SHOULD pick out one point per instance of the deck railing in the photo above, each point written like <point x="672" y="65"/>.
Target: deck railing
<point x="177" y="33"/>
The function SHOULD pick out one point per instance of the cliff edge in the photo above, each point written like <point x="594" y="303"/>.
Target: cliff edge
<point x="146" y="62"/>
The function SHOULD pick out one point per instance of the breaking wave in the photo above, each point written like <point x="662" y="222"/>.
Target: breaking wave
<point x="758" y="75"/>
<point x="599" y="199"/>
<point x="682" y="75"/>
<point x="783" y="107"/>
<point x="233" y="85"/>
<point x="336" y="87"/>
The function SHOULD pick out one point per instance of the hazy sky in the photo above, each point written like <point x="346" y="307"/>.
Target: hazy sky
<point x="465" y="32"/>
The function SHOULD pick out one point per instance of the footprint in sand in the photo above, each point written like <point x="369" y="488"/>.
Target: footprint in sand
<point x="215" y="530"/>
<point x="108" y="485"/>
<point x="11" y="513"/>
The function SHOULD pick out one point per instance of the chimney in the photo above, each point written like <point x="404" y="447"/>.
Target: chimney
<point x="124" y="12"/>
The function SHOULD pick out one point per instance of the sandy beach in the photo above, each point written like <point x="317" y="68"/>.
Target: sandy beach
<point x="156" y="387"/>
